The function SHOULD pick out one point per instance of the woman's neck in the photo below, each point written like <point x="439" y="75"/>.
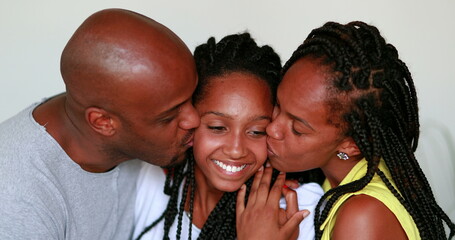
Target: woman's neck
<point x="337" y="170"/>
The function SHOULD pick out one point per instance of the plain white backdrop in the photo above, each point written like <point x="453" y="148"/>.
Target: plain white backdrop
<point x="33" y="34"/>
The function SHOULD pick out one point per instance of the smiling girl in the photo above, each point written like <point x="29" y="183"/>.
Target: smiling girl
<point x="235" y="98"/>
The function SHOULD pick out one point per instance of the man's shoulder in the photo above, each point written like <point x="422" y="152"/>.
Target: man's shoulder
<point x="29" y="203"/>
<point x="19" y="130"/>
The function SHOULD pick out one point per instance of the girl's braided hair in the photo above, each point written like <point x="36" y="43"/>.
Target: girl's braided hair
<point x="233" y="53"/>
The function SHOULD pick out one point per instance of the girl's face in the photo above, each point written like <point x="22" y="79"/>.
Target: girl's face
<point x="230" y="144"/>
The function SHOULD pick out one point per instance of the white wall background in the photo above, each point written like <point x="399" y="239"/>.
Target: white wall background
<point x="33" y="33"/>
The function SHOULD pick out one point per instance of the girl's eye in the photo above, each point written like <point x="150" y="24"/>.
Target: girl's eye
<point x="258" y="133"/>
<point x="216" y="128"/>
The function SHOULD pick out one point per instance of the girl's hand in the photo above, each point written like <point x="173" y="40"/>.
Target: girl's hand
<point x="262" y="217"/>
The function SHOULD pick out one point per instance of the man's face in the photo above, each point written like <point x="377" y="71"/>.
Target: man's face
<point x="158" y="119"/>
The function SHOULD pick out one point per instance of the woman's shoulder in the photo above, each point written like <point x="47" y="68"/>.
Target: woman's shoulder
<point x="365" y="217"/>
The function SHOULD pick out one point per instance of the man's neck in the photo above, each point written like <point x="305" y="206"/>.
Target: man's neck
<point x="85" y="152"/>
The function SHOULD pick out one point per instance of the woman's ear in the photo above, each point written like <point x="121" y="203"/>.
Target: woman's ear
<point x="100" y="121"/>
<point x="349" y="147"/>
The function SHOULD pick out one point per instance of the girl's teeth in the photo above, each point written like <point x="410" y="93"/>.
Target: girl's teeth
<point x="229" y="168"/>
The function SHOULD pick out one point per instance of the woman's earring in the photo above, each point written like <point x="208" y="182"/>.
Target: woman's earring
<point x="342" y="156"/>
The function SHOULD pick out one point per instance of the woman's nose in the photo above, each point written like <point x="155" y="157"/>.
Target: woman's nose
<point x="274" y="130"/>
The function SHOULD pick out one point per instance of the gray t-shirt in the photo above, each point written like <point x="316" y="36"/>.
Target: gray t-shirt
<point x="46" y="195"/>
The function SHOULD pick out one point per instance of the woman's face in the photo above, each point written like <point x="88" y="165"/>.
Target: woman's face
<point x="230" y="144"/>
<point x="300" y="136"/>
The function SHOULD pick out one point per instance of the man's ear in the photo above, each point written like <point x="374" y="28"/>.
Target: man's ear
<point x="100" y="121"/>
<point x="349" y="147"/>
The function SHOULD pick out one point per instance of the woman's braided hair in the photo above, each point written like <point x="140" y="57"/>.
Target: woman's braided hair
<point x="233" y="53"/>
<point x="372" y="98"/>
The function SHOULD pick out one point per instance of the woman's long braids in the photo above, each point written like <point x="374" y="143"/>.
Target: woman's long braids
<point x="371" y="96"/>
<point x="233" y="53"/>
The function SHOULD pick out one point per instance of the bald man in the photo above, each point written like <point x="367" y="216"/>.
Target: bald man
<point x="66" y="164"/>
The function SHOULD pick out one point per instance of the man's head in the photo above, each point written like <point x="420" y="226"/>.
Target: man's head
<point x="129" y="82"/>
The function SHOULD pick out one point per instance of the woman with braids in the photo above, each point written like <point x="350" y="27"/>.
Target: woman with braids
<point x="235" y="98"/>
<point x="347" y="105"/>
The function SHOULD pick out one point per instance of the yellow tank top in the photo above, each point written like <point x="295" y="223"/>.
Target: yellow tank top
<point x="377" y="189"/>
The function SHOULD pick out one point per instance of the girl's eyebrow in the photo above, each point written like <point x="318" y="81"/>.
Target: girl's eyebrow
<point x="259" y="118"/>
<point x="217" y="114"/>
<point x="223" y="115"/>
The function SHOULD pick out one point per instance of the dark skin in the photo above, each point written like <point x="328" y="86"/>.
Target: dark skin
<point x="234" y="112"/>
<point x="129" y="82"/>
<point x="298" y="147"/>
<point x="361" y="216"/>
<point x="263" y="209"/>
<point x="364" y="217"/>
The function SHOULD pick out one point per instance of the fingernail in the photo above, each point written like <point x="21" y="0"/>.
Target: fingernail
<point x="242" y="187"/>
<point x="305" y="214"/>
<point x="285" y="186"/>
<point x="261" y="168"/>
<point x="281" y="172"/>
<point x="267" y="164"/>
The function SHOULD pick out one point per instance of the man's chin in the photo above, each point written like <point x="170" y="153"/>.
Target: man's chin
<point x="176" y="160"/>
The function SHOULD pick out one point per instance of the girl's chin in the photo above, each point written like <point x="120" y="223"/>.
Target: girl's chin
<point x="230" y="188"/>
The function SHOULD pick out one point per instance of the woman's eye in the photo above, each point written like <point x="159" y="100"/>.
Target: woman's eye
<point x="295" y="132"/>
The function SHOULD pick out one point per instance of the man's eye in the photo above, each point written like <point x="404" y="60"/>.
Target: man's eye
<point x="167" y="120"/>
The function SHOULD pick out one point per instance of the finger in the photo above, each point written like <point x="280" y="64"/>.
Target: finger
<point x="292" y="205"/>
<point x="292" y="183"/>
<point x="255" y="186"/>
<point x="275" y="192"/>
<point x="240" y="205"/>
<point x="264" y="186"/>
<point x="282" y="217"/>
<point x="293" y="223"/>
